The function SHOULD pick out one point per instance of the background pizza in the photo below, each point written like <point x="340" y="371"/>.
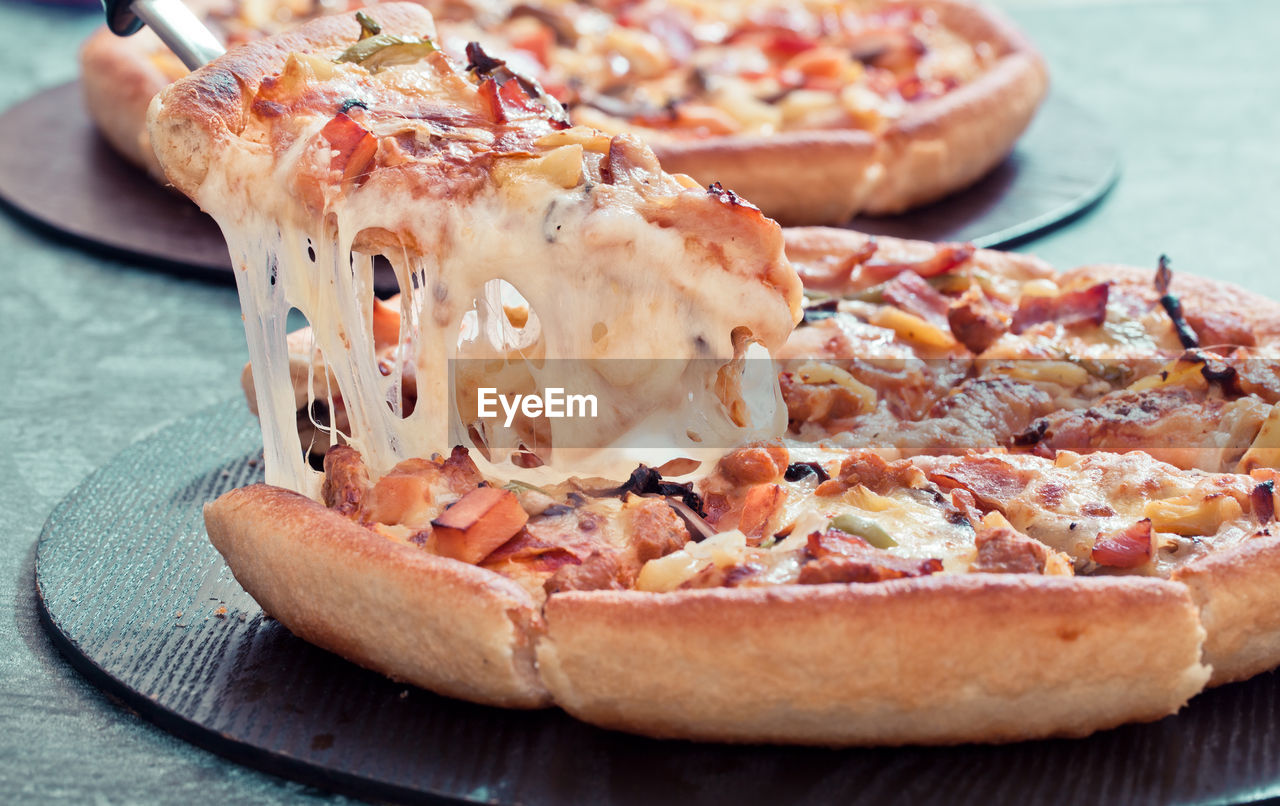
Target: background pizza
<point x="815" y="111"/>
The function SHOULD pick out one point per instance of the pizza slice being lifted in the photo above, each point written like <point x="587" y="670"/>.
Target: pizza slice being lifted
<point x="798" y="591"/>
<point x="316" y="149"/>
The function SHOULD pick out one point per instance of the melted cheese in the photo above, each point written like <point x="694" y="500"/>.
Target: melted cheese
<point x="641" y="314"/>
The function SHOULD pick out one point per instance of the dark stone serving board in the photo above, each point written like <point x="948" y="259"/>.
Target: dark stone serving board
<point x="57" y="171"/>
<point x="131" y="593"/>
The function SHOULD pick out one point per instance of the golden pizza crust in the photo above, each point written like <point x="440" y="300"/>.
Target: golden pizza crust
<point x="191" y="122"/>
<point x="934" y="660"/>
<point x="940" y="146"/>
<point x="438" y="623"/>
<point x="119" y="81"/>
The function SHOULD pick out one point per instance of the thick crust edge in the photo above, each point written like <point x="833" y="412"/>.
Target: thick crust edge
<point x="938" y="148"/>
<point x="944" y="659"/>
<point x="437" y="623"/>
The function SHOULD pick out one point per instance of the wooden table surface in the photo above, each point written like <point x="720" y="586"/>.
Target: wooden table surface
<point x="95" y="353"/>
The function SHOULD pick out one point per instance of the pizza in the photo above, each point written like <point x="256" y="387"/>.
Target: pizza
<point x="972" y="498"/>
<point x="816" y="110"/>
<point x="120" y="75"/>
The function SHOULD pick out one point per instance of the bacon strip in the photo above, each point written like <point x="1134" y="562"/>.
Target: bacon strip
<point x="353" y="146"/>
<point x="946" y="258"/>
<point x="1072" y="308"/>
<point x="1127" y="548"/>
<point x="913" y="294"/>
<point x="835" y="276"/>
<point x="840" y="557"/>
<point x="991" y="481"/>
<point x="526" y="548"/>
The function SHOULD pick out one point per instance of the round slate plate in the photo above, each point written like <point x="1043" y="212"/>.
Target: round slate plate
<point x="138" y="600"/>
<point x="1063" y="164"/>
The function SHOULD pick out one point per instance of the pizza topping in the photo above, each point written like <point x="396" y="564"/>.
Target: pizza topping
<point x="597" y="572"/>
<point x="841" y="557"/>
<point x="914" y="329"/>
<point x="1172" y="306"/>
<point x="864" y="528"/>
<point x="870" y="470"/>
<point x="729" y="197"/>
<point x="369" y="27"/>
<point x="1217" y="329"/>
<point x="1004" y="550"/>
<point x="346" y="481"/>
<point x="758" y="508"/>
<point x="817" y="311"/>
<point x="375" y="50"/>
<point x="834" y="274"/>
<point x="535" y="553"/>
<point x="913" y="294"/>
<point x="1126" y="548"/>
<point x="798" y="470"/>
<point x="476" y="524"/>
<point x="945" y="258"/>
<point x="645" y="480"/>
<point x="353" y="146"/>
<point x="851" y="394"/>
<point x="975" y="321"/>
<point x="481" y="63"/>
<point x="755" y="462"/>
<point x="1263" y="499"/>
<point x="1194" y="514"/>
<point x="405" y="495"/>
<point x="1073" y="308"/>
<point x="991" y="480"/>
<point x="724" y="550"/>
<point x="1264" y="451"/>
